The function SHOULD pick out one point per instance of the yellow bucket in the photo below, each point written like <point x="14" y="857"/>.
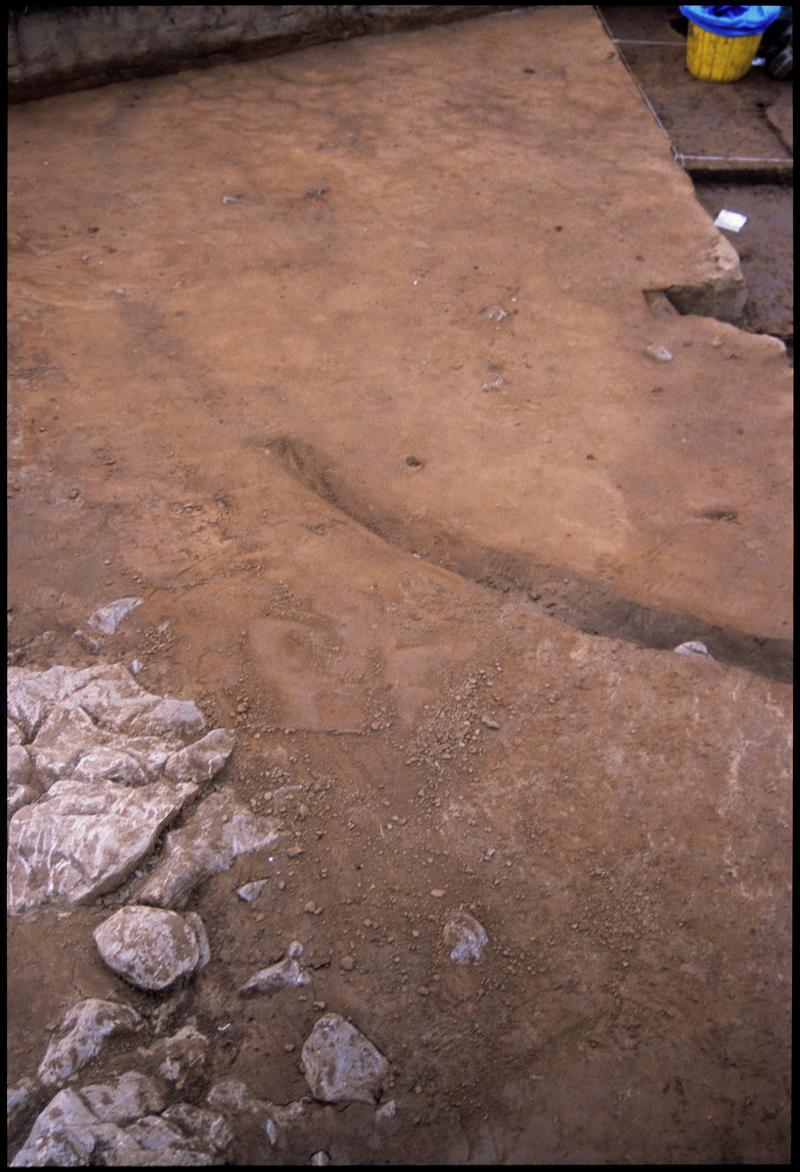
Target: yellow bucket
<point x="713" y="58"/>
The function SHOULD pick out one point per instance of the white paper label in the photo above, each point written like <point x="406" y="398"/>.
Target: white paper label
<point x="733" y="221"/>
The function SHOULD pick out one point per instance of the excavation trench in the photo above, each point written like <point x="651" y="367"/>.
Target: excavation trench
<point x="555" y="590"/>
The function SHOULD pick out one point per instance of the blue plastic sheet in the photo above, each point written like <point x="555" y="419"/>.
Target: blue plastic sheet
<point x="732" y="20"/>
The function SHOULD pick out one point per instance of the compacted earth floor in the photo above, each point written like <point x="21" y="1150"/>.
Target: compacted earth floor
<point x="355" y="366"/>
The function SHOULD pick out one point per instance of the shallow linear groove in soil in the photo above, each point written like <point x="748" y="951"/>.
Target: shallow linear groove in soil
<point x="591" y="606"/>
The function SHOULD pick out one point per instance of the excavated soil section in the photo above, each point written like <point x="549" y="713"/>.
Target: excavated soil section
<point x="342" y="362"/>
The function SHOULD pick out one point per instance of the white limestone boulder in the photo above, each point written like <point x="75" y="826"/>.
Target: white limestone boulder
<point x="150" y="947"/>
<point x="123" y="1124"/>
<point x="217" y="833"/>
<point x="84" y="1031"/>
<point x="340" y="1064"/>
<point x="82" y="838"/>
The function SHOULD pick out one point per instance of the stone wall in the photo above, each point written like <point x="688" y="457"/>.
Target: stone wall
<point x="53" y="50"/>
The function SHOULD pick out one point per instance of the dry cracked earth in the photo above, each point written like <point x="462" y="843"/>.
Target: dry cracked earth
<point x="340" y="366"/>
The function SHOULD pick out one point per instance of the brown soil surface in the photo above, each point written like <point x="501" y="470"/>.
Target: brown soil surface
<point x="267" y="418"/>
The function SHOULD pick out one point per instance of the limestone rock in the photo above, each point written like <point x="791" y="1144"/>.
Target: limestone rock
<point x="75" y="1128"/>
<point x="234" y="1097"/>
<point x="123" y="1099"/>
<point x="61" y="1137"/>
<point x="179" y="1056"/>
<point x="18" y="1099"/>
<point x="85" y="1028"/>
<point x="693" y="647"/>
<point x="19" y="796"/>
<point x="83" y="838"/>
<point x="107" y="618"/>
<point x="341" y="1065"/>
<point x="277" y="976"/>
<point x="65" y="714"/>
<point x="202" y="760"/>
<point x="98" y="724"/>
<point x="465" y="937"/>
<point x="13" y="733"/>
<point x="386" y="1111"/>
<point x="207" y="1128"/>
<point x="116" y="1124"/>
<point x="114" y="763"/>
<point x="214" y="836"/>
<point x="18" y="765"/>
<point x="250" y="891"/>
<point x="199" y="929"/>
<point x="149" y="947"/>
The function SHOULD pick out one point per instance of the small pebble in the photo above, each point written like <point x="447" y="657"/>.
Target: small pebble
<point x="295" y="950"/>
<point x="437" y="893"/>
<point x="347" y="963"/>
<point x="424" y="991"/>
<point x="692" y="648"/>
<point x="659" y="353"/>
<point x="288" y="1047"/>
<point x="310" y="907"/>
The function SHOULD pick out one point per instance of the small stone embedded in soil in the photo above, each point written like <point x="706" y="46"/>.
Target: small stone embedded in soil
<point x="278" y="976"/>
<point x="250" y="891"/>
<point x="658" y="353"/>
<point x="320" y="1159"/>
<point x="84" y="1029"/>
<point x="386" y="1111"/>
<point x="341" y="1065"/>
<point x="695" y="647"/>
<point x="108" y="617"/>
<point x="489" y="722"/>
<point x="151" y="947"/>
<point x="347" y="963"/>
<point x="437" y="893"/>
<point x="466" y="937"/>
